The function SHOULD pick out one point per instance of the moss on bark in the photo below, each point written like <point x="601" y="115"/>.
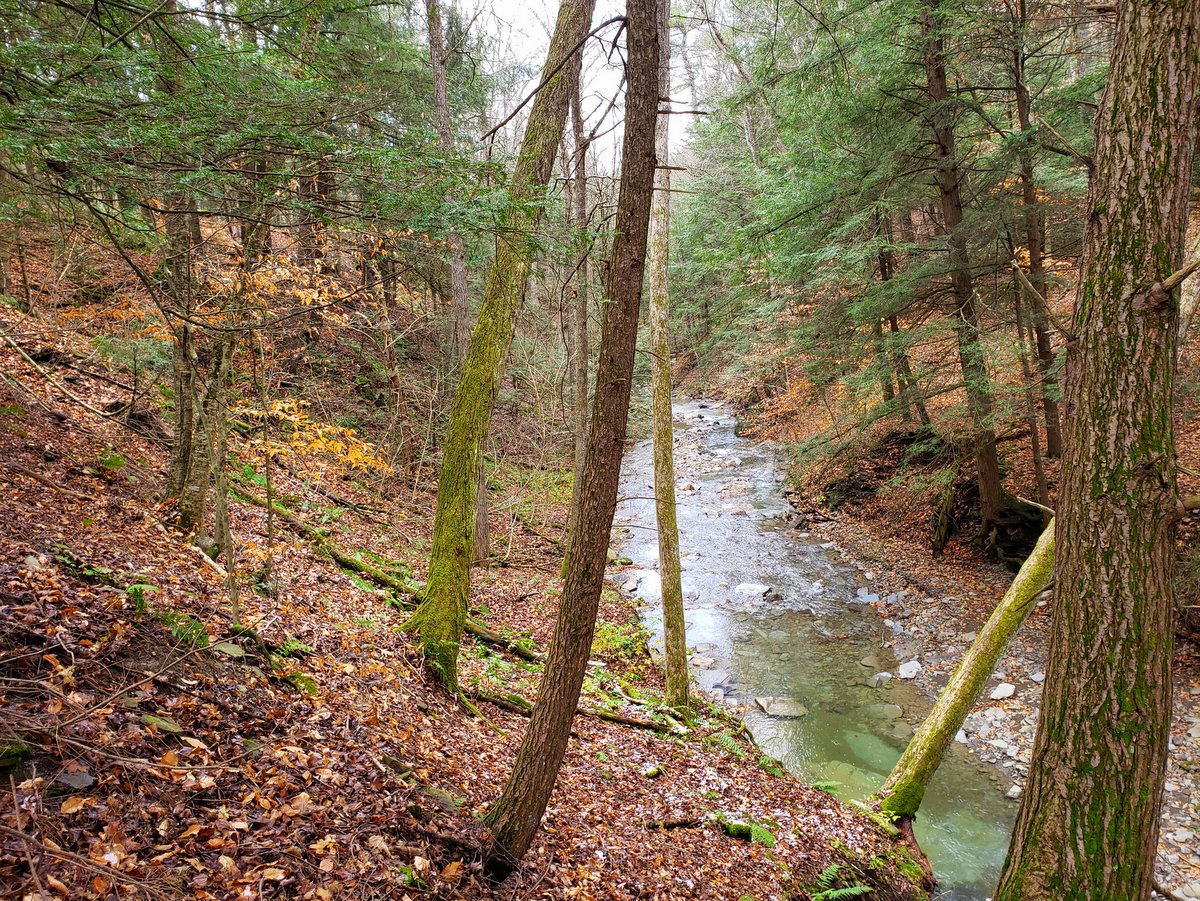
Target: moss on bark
<point x="442" y="613"/>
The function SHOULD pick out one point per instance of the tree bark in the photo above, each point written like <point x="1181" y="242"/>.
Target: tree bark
<point x="579" y="205"/>
<point x="948" y="175"/>
<point x="1035" y="239"/>
<point x="441" y="106"/>
<point x="1088" y="823"/>
<point x="670" y="575"/>
<point x="1035" y="440"/>
<point x="440" y="617"/>
<point x="515" y="817"/>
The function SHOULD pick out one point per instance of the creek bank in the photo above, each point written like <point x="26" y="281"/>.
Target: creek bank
<point x="933" y="610"/>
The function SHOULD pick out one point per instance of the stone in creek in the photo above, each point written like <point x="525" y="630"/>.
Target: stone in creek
<point x="909" y="669"/>
<point x="886" y="711"/>
<point x="1002" y="691"/>
<point x="702" y="662"/>
<point x="869" y="662"/>
<point x="961" y="737"/>
<point x="754" y="589"/>
<point x="879" y="680"/>
<point x="1038" y="677"/>
<point x="1014" y="791"/>
<point x="1194" y="732"/>
<point x="785" y="708"/>
<point x="1183" y="836"/>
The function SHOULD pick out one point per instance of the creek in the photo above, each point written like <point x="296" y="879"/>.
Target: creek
<point x="780" y="624"/>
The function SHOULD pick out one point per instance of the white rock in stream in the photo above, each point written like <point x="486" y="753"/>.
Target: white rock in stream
<point x="702" y="662"/>
<point x="754" y="589"/>
<point x="785" y="708"/>
<point x="909" y="669"/>
<point x="1002" y="691"/>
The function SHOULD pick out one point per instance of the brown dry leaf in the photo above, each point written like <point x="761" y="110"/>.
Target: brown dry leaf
<point x="74" y="805"/>
<point x="57" y="885"/>
<point x="452" y="871"/>
<point x="274" y="873"/>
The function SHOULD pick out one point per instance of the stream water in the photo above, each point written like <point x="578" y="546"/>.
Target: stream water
<point x="779" y="622"/>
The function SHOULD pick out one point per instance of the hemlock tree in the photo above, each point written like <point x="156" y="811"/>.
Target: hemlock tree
<point x="1088" y="823"/>
<point x="674" y="627"/>
<point x="515" y="818"/>
<point x="441" y="616"/>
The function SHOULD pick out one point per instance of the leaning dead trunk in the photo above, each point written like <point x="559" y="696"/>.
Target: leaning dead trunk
<point x="1088" y="823"/>
<point x="674" y="628"/>
<point x="442" y="613"/>
<point x="516" y="815"/>
<point x="902" y="792"/>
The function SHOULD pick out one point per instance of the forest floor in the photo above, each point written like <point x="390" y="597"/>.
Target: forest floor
<point x="160" y="752"/>
<point x="935" y="607"/>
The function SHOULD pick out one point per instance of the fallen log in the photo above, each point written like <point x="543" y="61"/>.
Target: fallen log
<point x="523" y="707"/>
<point x="352" y="562"/>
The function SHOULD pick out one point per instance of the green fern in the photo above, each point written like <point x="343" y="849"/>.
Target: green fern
<point x="727" y="742"/>
<point x="827" y="891"/>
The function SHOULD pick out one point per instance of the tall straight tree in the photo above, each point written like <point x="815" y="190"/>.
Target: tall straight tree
<point x="1088" y="823"/>
<point x="948" y="175"/>
<point x="441" y="108"/>
<point x="674" y="627"/>
<point x="442" y="613"/>
<point x="515" y="818"/>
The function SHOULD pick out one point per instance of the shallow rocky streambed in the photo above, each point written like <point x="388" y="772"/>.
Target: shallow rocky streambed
<point x="779" y="626"/>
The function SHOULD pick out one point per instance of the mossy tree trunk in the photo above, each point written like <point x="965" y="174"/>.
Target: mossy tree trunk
<point x="949" y="176"/>
<point x="904" y="788"/>
<point x="1088" y="822"/>
<point x="442" y="613"/>
<point x="674" y="627"/>
<point x="515" y="817"/>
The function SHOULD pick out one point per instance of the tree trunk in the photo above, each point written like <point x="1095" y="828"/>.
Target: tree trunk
<point x="1035" y="440"/>
<point x="1035" y="238"/>
<point x="514" y="819"/>
<point x="902" y="792"/>
<point x="441" y="106"/>
<point x="674" y="627"/>
<point x="440" y="617"/>
<point x="948" y="175"/>
<point x="1088" y="823"/>
<point x="582" y="351"/>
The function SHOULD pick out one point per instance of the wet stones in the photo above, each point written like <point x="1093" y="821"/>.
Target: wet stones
<point x="781" y="708"/>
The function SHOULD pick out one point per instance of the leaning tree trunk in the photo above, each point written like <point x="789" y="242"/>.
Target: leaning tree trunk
<point x="441" y="615"/>
<point x="904" y="788"/>
<point x="514" y="819"/>
<point x="674" y="628"/>
<point x="1088" y="822"/>
<point x="949" y="176"/>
